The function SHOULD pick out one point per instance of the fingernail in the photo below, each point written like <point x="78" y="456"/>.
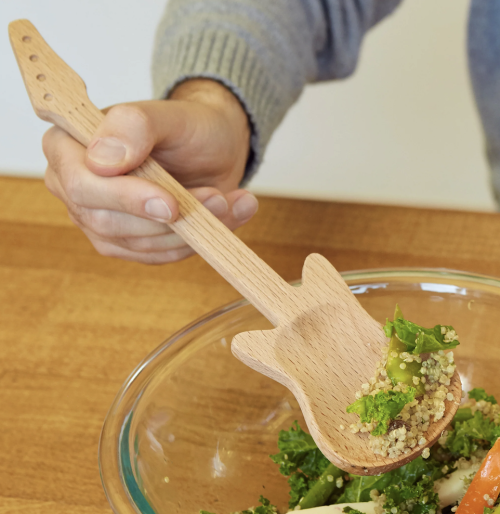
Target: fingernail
<point x="245" y="207"/>
<point x="217" y="205"/>
<point x="107" y="151"/>
<point x="158" y="209"/>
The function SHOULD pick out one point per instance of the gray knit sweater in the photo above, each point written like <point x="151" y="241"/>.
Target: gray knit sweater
<point x="266" y="51"/>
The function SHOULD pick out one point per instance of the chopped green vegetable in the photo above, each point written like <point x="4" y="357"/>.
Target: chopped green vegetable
<point x="462" y="415"/>
<point x="322" y="488"/>
<point x="350" y="510"/>
<point x="394" y="361"/>
<point x="419" y="498"/>
<point x="479" y="394"/>
<point x="389" y="327"/>
<point x="382" y="408"/>
<point x="417" y="339"/>
<point x="471" y="434"/>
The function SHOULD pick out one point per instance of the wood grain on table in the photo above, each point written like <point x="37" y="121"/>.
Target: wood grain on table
<point x="74" y="324"/>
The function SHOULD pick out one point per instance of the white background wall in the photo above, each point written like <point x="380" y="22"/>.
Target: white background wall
<point x="403" y="130"/>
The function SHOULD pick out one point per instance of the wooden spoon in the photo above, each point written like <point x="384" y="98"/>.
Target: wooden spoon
<point x="325" y="344"/>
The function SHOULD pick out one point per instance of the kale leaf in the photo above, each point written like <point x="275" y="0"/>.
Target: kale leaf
<point x="472" y="431"/>
<point x="382" y="408"/>
<point x="358" y="488"/>
<point x="479" y="394"/>
<point x="418" y="339"/>
<point x="301" y="460"/>
<point x="265" y="508"/>
<point x="413" y="471"/>
<point x="299" y="484"/>
<point x="420" y="496"/>
<point x="471" y="434"/>
<point x="299" y="451"/>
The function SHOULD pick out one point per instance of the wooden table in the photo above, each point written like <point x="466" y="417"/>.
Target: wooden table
<point x="73" y="324"/>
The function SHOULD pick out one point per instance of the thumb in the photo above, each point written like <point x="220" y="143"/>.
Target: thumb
<point x="122" y="142"/>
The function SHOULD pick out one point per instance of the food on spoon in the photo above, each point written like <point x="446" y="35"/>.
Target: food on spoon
<point x="409" y="388"/>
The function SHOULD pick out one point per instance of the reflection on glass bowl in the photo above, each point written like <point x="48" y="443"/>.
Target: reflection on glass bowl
<point x="192" y="427"/>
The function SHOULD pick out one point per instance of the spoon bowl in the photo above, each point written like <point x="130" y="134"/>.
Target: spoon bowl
<point x="323" y="355"/>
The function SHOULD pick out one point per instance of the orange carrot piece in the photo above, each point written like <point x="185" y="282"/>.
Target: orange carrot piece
<point x="485" y="482"/>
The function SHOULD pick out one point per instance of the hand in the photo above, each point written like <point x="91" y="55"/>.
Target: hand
<point x="200" y="135"/>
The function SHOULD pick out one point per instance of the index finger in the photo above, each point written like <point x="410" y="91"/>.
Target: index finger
<point x="129" y="194"/>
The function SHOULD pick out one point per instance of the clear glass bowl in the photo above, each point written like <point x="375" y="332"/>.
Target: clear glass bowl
<point x="192" y="427"/>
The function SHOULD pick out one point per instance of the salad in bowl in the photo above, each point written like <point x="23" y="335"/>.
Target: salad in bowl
<point x="193" y="428"/>
<point x="459" y="473"/>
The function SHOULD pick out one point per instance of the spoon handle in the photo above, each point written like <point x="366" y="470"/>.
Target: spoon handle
<point x="59" y="95"/>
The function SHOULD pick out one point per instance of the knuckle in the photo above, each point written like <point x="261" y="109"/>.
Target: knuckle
<point x="106" y="249"/>
<point x="124" y="202"/>
<point x="141" y="244"/>
<point x="49" y="181"/>
<point x="131" y="115"/>
<point x="79" y="215"/>
<point x="99" y="221"/>
<point x="73" y="187"/>
<point x="178" y="254"/>
<point x="74" y="219"/>
<point x="128" y="111"/>
<point x="52" y="148"/>
<point x="48" y="142"/>
<point x="54" y="161"/>
<point x="137" y="244"/>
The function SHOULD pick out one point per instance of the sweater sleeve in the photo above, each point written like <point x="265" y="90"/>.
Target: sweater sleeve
<point x="264" y="51"/>
<point x="484" y="67"/>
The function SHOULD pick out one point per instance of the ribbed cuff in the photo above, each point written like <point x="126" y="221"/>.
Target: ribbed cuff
<point x="224" y="56"/>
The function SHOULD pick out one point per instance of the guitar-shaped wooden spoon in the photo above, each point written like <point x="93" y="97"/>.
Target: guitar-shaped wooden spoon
<point x="324" y="346"/>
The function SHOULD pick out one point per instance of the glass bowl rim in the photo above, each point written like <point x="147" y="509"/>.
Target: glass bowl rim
<point x="114" y="487"/>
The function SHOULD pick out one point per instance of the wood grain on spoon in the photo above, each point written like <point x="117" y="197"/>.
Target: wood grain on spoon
<point x="324" y="346"/>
